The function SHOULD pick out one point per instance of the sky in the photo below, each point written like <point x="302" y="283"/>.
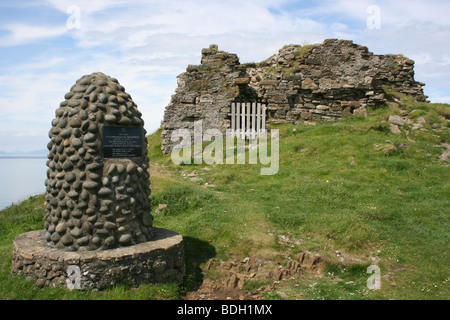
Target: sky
<point x="46" y="45"/>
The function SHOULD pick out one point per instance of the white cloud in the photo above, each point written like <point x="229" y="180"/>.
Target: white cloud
<point x="87" y="6"/>
<point x="398" y="13"/>
<point x="129" y="24"/>
<point x="442" y="100"/>
<point x="20" y="33"/>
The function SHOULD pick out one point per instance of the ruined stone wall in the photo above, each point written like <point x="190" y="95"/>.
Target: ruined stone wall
<point x="204" y="93"/>
<point x="301" y="83"/>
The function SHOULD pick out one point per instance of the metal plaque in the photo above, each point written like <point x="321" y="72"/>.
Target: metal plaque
<point x="122" y="142"/>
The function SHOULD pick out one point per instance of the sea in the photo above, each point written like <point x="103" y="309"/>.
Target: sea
<point x="20" y="178"/>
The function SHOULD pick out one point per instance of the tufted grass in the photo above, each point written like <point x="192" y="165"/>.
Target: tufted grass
<point x="343" y="186"/>
<point x="346" y="187"/>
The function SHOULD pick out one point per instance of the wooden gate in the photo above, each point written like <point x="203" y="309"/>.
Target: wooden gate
<point x="248" y="119"/>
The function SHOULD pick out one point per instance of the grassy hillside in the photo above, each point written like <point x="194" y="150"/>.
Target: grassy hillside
<point x="353" y="192"/>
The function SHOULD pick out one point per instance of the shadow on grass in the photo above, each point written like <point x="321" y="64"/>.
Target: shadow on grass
<point x="196" y="252"/>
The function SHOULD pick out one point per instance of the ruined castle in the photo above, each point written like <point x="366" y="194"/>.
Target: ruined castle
<point x="301" y="83"/>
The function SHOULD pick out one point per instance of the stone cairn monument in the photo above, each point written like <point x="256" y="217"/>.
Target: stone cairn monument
<point x="97" y="198"/>
<point x="98" y="228"/>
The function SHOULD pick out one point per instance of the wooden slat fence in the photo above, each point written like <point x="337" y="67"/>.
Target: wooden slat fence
<point x="248" y="119"/>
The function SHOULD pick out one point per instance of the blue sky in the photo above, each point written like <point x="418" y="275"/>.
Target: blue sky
<point x="46" y="45"/>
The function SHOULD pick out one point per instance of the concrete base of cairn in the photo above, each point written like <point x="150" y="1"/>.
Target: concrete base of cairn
<point x="160" y="260"/>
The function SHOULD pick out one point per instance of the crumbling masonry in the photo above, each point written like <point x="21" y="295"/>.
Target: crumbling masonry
<point x="301" y="83"/>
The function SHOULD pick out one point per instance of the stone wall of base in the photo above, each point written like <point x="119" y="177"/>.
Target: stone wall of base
<point x="160" y="260"/>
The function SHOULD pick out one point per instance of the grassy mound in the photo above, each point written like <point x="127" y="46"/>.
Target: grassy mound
<point x="352" y="191"/>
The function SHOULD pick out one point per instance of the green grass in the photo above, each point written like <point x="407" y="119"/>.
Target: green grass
<point x="340" y="187"/>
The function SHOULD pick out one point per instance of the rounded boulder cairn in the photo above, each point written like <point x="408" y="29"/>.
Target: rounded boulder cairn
<point x="94" y="202"/>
